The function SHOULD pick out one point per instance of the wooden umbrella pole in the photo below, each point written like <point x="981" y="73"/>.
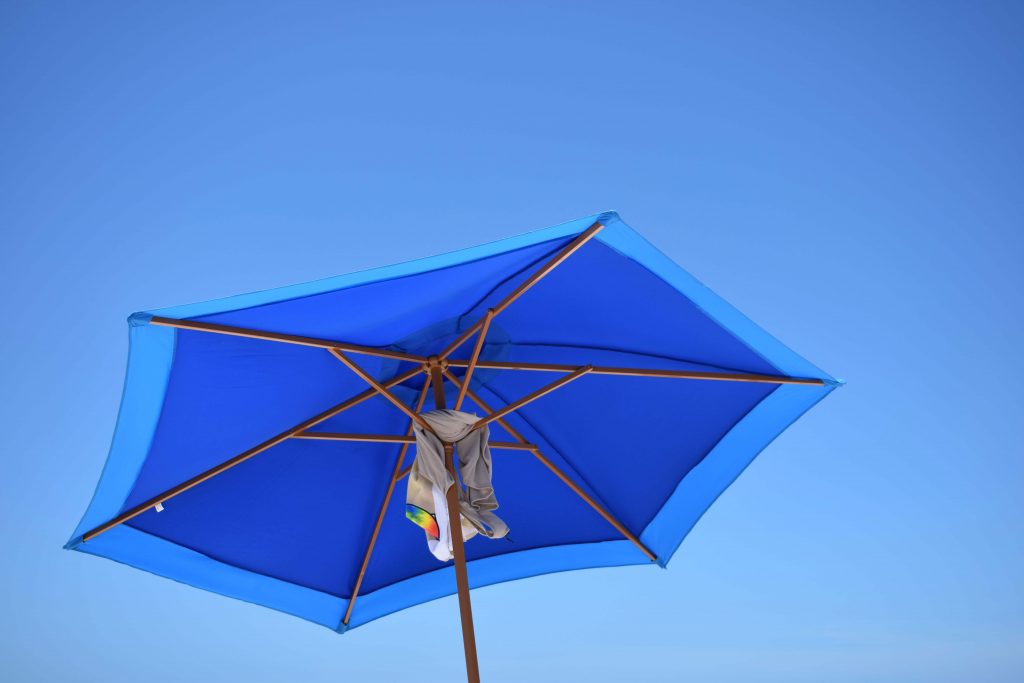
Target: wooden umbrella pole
<point x="384" y="506"/>
<point x="537" y="276"/>
<point x="242" y="457"/>
<point x="458" y="546"/>
<point x="619" y="526"/>
<point x="461" y="574"/>
<point x="437" y="381"/>
<point x="284" y="338"/>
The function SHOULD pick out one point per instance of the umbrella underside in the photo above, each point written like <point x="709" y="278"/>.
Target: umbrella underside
<point x="620" y="404"/>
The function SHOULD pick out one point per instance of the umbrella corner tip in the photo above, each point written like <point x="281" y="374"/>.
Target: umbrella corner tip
<point x="139" y="319"/>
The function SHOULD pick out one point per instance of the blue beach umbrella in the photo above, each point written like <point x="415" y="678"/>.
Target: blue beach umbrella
<point x="263" y="439"/>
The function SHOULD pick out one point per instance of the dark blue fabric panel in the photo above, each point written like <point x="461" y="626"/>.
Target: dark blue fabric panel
<point x="387" y="312"/>
<point x="632" y="439"/>
<point x="301" y="511"/>
<point x="298" y="510"/>
<point x="227" y="394"/>
<point x="598" y="298"/>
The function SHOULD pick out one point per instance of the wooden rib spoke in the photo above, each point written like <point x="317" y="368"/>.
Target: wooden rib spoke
<point x="480" y="337"/>
<point x="536" y="277"/>
<point x="384" y="505"/>
<point x="363" y="438"/>
<point x="639" y="372"/>
<point x="381" y="389"/>
<point x="533" y="396"/>
<point x="394" y="438"/>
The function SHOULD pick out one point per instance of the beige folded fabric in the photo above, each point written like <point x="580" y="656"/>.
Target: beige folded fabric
<point x="429" y="480"/>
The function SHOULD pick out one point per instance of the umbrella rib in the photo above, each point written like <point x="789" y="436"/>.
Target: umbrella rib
<point x="558" y="473"/>
<point x="384" y="506"/>
<point x="525" y="343"/>
<point x="474" y="358"/>
<point x="242" y="457"/>
<point x="639" y="372"/>
<point x="537" y="276"/>
<point x="359" y="438"/>
<point x="381" y="389"/>
<point x="569" y="466"/>
<point x="393" y="438"/>
<point x="284" y="338"/>
<point x="533" y="396"/>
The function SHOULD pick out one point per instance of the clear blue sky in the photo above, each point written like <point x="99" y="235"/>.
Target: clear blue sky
<point x="847" y="174"/>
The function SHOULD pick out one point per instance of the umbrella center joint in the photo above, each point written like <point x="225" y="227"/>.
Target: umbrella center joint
<point x="435" y="362"/>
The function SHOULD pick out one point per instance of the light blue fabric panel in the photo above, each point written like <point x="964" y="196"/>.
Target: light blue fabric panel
<point x="391" y="272"/>
<point x="150" y="355"/>
<point x="492" y="570"/>
<point x="726" y="461"/>
<point x="139" y="549"/>
<point x="631" y="244"/>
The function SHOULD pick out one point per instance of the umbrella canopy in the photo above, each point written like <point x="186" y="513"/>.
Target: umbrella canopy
<point x="262" y="439"/>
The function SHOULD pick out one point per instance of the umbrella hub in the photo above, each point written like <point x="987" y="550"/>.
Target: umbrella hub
<point x="430" y="340"/>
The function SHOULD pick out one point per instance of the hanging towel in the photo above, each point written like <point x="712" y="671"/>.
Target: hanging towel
<point x="425" y="502"/>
